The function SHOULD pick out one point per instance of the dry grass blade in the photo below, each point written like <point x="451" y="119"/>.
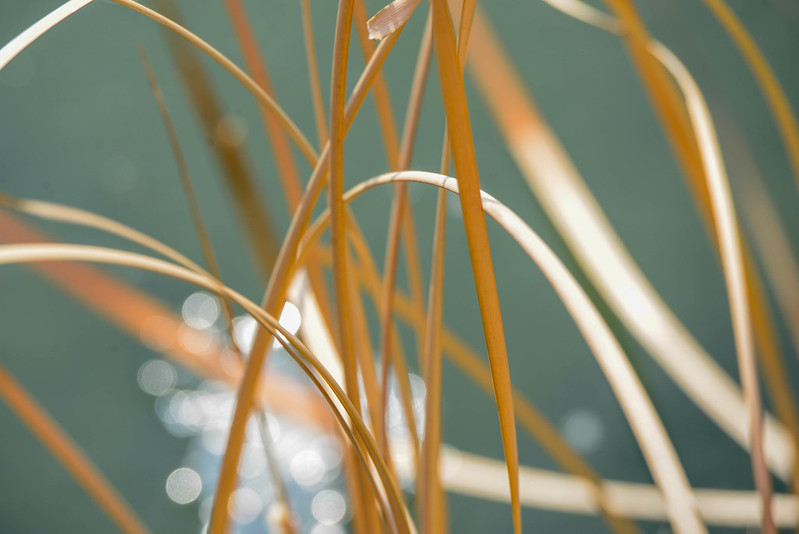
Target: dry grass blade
<point x="431" y="495"/>
<point x="391" y="18"/>
<point x="246" y="81"/>
<point x="360" y="438"/>
<point x="37" y="29"/>
<point x="228" y="146"/>
<point x="569" y="204"/>
<point x="463" y="154"/>
<point x="732" y="258"/>
<point x="485" y="478"/>
<point x="763" y="73"/>
<point x="209" y="256"/>
<point x="530" y="418"/>
<point x="143" y="317"/>
<point x="641" y="415"/>
<point x="313" y="74"/>
<point x="282" y="274"/>
<point x="69" y="454"/>
<point x="281" y="150"/>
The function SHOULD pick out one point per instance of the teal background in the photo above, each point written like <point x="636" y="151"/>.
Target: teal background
<point x="78" y="126"/>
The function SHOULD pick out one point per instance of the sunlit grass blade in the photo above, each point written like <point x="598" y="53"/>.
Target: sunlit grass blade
<point x="530" y="418"/>
<point x="291" y="129"/>
<point x="69" y="454"/>
<point x="549" y="172"/>
<point x="485" y="478"/>
<point x="733" y="262"/>
<point x="39" y="28"/>
<point x="457" y="114"/>
<point x="390" y="18"/>
<point x="641" y="415"/>
<point x="360" y="438"/>
<point x="282" y="274"/>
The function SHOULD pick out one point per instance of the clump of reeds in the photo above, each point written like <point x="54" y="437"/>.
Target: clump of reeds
<point x="348" y="356"/>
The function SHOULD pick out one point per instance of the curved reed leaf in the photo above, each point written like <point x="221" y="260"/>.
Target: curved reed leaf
<point x="343" y="409"/>
<point x="549" y="172"/>
<point x="642" y="417"/>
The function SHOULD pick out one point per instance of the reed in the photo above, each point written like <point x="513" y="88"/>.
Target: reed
<point x="367" y="325"/>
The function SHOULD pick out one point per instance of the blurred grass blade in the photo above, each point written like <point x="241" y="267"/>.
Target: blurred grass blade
<point x="69" y="454"/>
<point x="769" y="84"/>
<point x="733" y="262"/>
<point x="246" y="81"/>
<point x="228" y="146"/>
<point x="313" y="74"/>
<point x="484" y="478"/>
<point x="552" y="176"/>
<point x="287" y="521"/>
<point x="431" y="495"/>
<point x="152" y="323"/>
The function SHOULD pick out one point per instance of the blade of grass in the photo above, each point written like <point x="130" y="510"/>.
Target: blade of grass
<point x="228" y="148"/>
<point x="69" y="454"/>
<point x="149" y="321"/>
<point x="13" y="254"/>
<point x="246" y="81"/>
<point x="732" y="256"/>
<point x="253" y="59"/>
<point x="281" y="275"/>
<point x="764" y="75"/>
<point x="457" y="115"/>
<point x="485" y="478"/>
<point x="568" y="202"/>
<point x="431" y="495"/>
<point x="287" y="521"/>
<point x="39" y="28"/>
<point x="313" y="74"/>
<point x="643" y="419"/>
<point x="389" y="19"/>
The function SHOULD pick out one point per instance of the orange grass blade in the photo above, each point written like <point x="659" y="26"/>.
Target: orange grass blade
<point x="769" y="84"/>
<point x="228" y="148"/>
<point x="284" y="159"/>
<point x="431" y="495"/>
<point x="477" y="236"/>
<point x="568" y="202"/>
<point x="69" y="454"/>
<point x="150" y="322"/>
<point x="275" y="292"/>
<point x="313" y="74"/>
<point x="733" y="263"/>
<point x="246" y="81"/>
<point x="287" y="521"/>
<point x="641" y="415"/>
<point x="324" y="382"/>
<point x="532" y="420"/>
